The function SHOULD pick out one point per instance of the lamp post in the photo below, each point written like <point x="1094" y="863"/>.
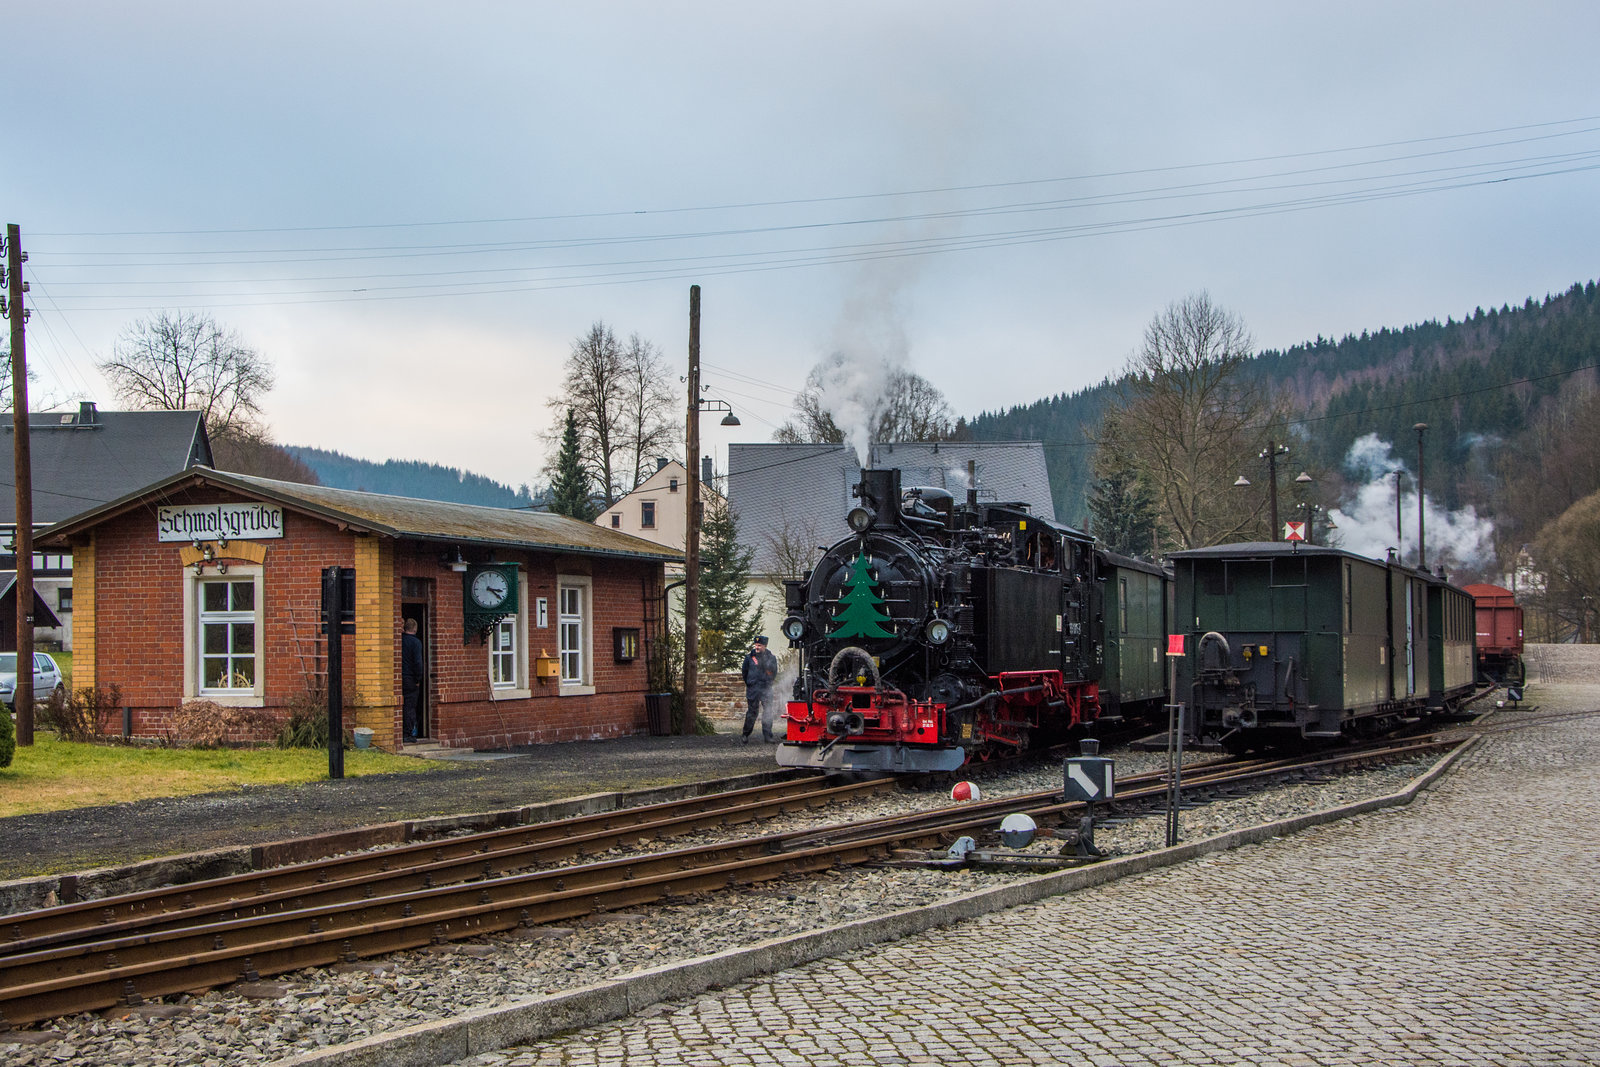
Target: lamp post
<point x="694" y="515"/>
<point x="1422" y="544"/>
<point x="1270" y="454"/>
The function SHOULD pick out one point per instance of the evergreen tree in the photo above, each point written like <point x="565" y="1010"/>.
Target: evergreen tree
<point x="728" y="621"/>
<point x="1124" y="513"/>
<point x="861" y="611"/>
<point x="569" y="490"/>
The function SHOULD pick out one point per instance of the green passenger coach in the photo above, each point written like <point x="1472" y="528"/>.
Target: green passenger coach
<point x="1290" y="643"/>
<point x="1134" y="682"/>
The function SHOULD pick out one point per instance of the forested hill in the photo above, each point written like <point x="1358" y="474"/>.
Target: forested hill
<point x="1456" y="376"/>
<point x="429" y="481"/>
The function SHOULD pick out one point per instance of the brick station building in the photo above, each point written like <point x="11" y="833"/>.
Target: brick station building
<point x="207" y="586"/>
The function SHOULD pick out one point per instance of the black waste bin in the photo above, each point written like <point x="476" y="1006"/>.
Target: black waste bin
<point x="658" y="713"/>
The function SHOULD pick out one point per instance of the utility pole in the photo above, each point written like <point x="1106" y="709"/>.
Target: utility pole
<point x="1422" y="544"/>
<point x="691" y="541"/>
<point x="1273" y="451"/>
<point x="22" y="698"/>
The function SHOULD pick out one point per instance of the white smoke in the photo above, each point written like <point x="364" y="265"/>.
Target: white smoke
<point x="852" y="390"/>
<point x="1366" y="522"/>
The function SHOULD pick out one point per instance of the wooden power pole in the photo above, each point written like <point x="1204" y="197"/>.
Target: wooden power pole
<point x="22" y="696"/>
<point x="691" y="540"/>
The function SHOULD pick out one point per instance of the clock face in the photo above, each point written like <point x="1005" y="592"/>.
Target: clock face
<point x="489" y="589"/>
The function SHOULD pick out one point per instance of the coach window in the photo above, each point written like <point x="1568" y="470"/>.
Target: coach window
<point x="575" y="629"/>
<point x="508" y="659"/>
<point x="224" y="647"/>
<point x="1122" y="604"/>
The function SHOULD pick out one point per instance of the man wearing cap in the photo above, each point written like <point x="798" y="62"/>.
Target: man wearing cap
<point x="760" y="668"/>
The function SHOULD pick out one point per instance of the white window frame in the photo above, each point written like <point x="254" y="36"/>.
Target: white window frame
<point x="193" y="661"/>
<point x="582" y="586"/>
<point x="518" y="688"/>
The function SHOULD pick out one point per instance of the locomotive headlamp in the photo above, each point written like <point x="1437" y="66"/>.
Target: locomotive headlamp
<point x="937" y="632"/>
<point x="794" y="627"/>
<point x="859" y="519"/>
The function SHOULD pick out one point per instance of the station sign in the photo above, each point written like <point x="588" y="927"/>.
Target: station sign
<point x="208" y="522"/>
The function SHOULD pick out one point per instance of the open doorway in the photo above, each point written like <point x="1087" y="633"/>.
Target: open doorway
<point x="417" y="608"/>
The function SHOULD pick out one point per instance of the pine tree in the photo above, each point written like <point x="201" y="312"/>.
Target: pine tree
<point x="569" y="490"/>
<point x="861" y="611"/>
<point x="728" y="621"/>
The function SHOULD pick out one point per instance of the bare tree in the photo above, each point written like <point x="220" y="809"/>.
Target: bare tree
<point x="791" y="548"/>
<point x="651" y="426"/>
<point x="623" y="408"/>
<point x="1567" y="553"/>
<point x="187" y="362"/>
<point x="900" y="405"/>
<point x="1187" y="424"/>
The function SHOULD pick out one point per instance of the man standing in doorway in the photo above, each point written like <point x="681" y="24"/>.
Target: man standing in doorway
<point x="411" y="668"/>
<point x="760" y="668"/>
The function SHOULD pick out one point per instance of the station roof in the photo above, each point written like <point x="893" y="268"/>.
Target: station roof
<point x="389" y="516"/>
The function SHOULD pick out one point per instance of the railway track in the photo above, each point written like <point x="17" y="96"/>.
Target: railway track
<point x="122" y="950"/>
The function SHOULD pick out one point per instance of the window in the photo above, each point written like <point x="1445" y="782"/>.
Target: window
<point x="508" y="651"/>
<point x="503" y="654"/>
<point x="64" y="598"/>
<point x="1122" y="604"/>
<point x="616" y="520"/>
<point x="575" y="630"/>
<point x="672" y="485"/>
<point x="647" y="514"/>
<point x="224" y="647"/>
<point x="228" y="636"/>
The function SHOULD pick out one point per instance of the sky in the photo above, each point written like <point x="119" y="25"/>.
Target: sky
<point x="412" y="210"/>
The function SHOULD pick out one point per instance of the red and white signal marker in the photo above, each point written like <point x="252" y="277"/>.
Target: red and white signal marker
<point x="966" y="791"/>
<point x="1294" y="531"/>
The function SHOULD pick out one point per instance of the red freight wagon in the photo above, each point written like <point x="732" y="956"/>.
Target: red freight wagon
<point x="1499" y="633"/>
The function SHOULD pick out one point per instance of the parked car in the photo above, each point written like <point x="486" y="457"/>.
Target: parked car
<point x="47" y="677"/>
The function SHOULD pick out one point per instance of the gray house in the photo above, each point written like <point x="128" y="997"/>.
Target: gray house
<point x="82" y="459"/>
<point x="792" y="499"/>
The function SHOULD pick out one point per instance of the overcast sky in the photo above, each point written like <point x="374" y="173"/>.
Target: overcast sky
<point x="412" y="209"/>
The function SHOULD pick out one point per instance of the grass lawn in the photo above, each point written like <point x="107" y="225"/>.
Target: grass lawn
<point x="52" y="775"/>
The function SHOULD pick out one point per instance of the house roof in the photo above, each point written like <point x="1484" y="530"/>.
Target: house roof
<point x="390" y="516"/>
<point x="43" y="617"/>
<point x="87" y="457"/>
<point x="802" y="492"/>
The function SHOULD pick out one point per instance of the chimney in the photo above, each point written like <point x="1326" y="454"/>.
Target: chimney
<point x="661" y="462"/>
<point x="705" y="470"/>
<point x="87" y="414"/>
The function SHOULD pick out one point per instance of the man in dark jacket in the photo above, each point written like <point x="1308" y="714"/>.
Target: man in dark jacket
<point x="760" y="668"/>
<point x="412" y="665"/>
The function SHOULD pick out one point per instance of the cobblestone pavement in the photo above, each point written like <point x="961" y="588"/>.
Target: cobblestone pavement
<point x="1463" y="929"/>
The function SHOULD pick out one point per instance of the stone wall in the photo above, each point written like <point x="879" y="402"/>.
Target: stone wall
<point x="721" y="698"/>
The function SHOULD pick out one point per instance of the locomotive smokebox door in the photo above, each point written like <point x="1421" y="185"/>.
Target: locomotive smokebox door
<point x="1089" y="778"/>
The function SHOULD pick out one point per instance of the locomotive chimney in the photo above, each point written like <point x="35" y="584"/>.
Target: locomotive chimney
<point x="972" y="484"/>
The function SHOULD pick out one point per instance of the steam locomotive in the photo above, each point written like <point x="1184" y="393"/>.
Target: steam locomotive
<point x="942" y="631"/>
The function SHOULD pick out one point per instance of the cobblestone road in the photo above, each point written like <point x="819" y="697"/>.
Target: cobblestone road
<point x="1464" y="929"/>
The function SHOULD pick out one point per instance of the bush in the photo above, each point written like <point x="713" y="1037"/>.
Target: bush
<point x="206" y="724"/>
<point x="8" y="737"/>
<point x="308" y="723"/>
<point x="82" y="714"/>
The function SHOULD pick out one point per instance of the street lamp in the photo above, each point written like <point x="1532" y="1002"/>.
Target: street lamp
<point x="1271" y="454"/>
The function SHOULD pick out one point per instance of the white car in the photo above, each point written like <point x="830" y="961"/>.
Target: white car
<point x="46" y="676"/>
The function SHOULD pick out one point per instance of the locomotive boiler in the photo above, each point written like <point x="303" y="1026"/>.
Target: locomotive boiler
<point x="942" y="630"/>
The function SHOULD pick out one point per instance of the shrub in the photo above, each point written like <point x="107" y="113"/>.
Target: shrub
<point x="82" y="714"/>
<point x="8" y="737"/>
<point x="307" y="726"/>
<point x="206" y="724"/>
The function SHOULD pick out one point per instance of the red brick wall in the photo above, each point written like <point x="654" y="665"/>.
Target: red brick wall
<point x="139" y="632"/>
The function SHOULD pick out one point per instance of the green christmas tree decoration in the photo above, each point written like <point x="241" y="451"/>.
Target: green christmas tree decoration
<point x="861" y="611"/>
